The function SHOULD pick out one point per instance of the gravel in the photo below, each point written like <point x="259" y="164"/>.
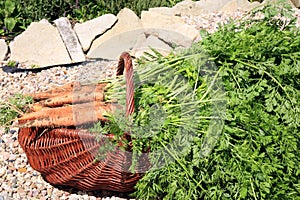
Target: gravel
<point x="28" y="82"/>
<point x="17" y="179"/>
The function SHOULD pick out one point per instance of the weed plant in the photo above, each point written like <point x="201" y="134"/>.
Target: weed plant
<point x="12" y="108"/>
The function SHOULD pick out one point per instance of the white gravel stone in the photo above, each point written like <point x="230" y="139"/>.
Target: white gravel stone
<point x="2" y="171"/>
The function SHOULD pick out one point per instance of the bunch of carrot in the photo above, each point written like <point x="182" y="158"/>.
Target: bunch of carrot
<point x="58" y="106"/>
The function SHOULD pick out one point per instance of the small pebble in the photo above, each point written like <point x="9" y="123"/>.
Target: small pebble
<point x="2" y="171"/>
<point x="12" y="158"/>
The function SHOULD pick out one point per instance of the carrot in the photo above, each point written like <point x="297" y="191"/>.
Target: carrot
<point x="56" y="91"/>
<point x="70" y="115"/>
<point x="71" y="93"/>
<point x="71" y="88"/>
<point x="71" y="99"/>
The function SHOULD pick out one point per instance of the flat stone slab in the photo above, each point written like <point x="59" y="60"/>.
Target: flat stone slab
<point x="151" y="42"/>
<point x="3" y="49"/>
<point x="112" y="48"/>
<point x="89" y="30"/>
<point x="296" y="3"/>
<point x="70" y="39"/>
<point x="195" y="8"/>
<point x="163" y="10"/>
<point x="189" y="7"/>
<point x="239" y="5"/>
<point x="40" y="44"/>
<point x="121" y="37"/>
<point x="170" y="29"/>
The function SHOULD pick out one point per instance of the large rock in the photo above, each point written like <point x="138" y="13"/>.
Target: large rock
<point x="40" y="44"/>
<point x="151" y="42"/>
<point x="170" y="29"/>
<point x="89" y="30"/>
<point x="3" y="49"/>
<point x="239" y="5"/>
<point x="212" y="6"/>
<point x="296" y="3"/>
<point x="189" y="7"/>
<point x="70" y="39"/>
<point x="164" y="10"/>
<point x="194" y="8"/>
<point x="121" y="37"/>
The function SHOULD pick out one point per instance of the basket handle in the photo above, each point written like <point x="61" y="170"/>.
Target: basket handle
<point x="125" y="62"/>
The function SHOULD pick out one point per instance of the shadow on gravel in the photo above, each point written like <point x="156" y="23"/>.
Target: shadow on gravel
<point x="97" y="194"/>
<point x="15" y="69"/>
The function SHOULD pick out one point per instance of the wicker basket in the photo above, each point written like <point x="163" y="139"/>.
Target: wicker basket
<point x="66" y="156"/>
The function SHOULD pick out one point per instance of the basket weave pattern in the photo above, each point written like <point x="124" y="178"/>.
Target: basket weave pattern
<point x="66" y="156"/>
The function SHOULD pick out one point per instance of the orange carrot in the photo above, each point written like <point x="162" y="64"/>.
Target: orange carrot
<point x="70" y="88"/>
<point x="71" y="99"/>
<point x="56" y="91"/>
<point x="70" y="115"/>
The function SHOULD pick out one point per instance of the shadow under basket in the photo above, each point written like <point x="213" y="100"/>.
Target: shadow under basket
<point x="68" y="156"/>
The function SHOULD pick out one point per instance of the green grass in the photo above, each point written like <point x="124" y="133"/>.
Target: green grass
<point x="13" y="108"/>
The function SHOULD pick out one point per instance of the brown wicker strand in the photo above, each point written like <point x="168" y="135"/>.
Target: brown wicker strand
<point x="125" y="62"/>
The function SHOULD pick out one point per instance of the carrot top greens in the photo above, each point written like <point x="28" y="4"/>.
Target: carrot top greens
<point x="256" y="153"/>
<point x="221" y="119"/>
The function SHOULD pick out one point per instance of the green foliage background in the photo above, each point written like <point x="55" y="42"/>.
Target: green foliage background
<point x="16" y="15"/>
